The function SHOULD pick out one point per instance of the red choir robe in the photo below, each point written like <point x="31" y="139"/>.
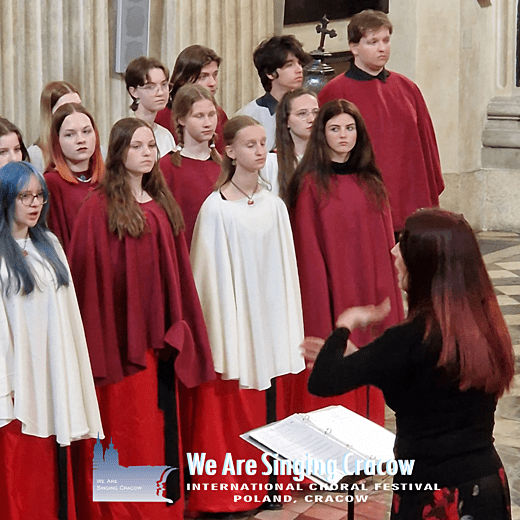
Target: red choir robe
<point x="402" y="135"/>
<point x="191" y="184"/>
<point x="64" y="202"/>
<point x="140" y="307"/>
<point x="342" y="243"/>
<point x="164" y="118"/>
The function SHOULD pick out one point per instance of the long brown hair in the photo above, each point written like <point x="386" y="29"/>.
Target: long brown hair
<point x="317" y="162"/>
<point x="188" y="67"/>
<point x="125" y="217"/>
<point x="186" y="97"/>
<point x="57" y="159"/>
<point x="449" y="286"/>
<point x="285" y="153"/>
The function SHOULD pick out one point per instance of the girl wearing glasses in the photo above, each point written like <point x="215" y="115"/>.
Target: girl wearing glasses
<point x="143" y="320"/>
<point x="200" y="65"/>
<point x="295" y="115"/>
<point x="147" y="83"/>
<point x="343" y="237"/>
<point x="193" y="169"/>
<point x="76" y="167"/>
<point x="47" y="394"/>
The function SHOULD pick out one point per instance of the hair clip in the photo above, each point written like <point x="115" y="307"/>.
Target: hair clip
<point x="179" y="148"/>
<point x="212" y="145"/>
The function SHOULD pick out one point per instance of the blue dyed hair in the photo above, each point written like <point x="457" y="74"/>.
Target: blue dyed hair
<point x="13" y="177"/>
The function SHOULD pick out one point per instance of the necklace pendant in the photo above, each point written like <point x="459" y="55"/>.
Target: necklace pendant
<point x="24" y="252"/>
<point x="250" y="202"/>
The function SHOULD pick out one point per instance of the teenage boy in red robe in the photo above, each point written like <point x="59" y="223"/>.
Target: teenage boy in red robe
<point x="396" y="116"/>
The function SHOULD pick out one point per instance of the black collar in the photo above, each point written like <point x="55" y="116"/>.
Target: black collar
<point x="269" y="102"/>
<point x="354" y="72"/>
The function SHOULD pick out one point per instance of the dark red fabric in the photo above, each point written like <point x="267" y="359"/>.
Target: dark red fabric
<point x="164" y="118"/>
<point x="223" y="413"/>
<point x="402" y="134"/>
<point x="343" y="244"/>
<point x="135" y="294"/>
<point x="29" y="476"/>
<point x="135" y="424"/>
<point x="64" y="202"/>
<point x="191" y="184"/>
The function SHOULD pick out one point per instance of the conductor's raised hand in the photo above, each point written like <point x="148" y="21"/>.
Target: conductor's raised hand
<point x="310" y="348"/>
<point x="363" y="317"/>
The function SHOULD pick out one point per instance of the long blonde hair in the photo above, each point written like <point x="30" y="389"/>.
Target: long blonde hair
<point x="51" y="93"/>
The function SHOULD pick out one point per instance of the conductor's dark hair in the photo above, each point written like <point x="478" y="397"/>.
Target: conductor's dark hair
<point x="449" y="286"/>
<point x="14" y="176"/>
<point x="6" y="127"/>
<point x="367" y="20"/>
<point x="317" y="158"/>
<point x="271" y="54"/>
<point x="188" y="67"/>
<point x="136" y="74"/>
<point x="125" y="217"/>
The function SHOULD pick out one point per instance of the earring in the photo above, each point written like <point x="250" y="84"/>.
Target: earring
<point x="137" y="100"/>
<point x="234" y="162"/>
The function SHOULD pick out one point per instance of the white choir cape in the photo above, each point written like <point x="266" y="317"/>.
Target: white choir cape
<point x="45" y="375"/>
<point x="244" y="266"/>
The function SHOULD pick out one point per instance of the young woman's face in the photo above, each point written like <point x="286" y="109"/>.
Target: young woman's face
<point x="402" y="271"/>
<point x="70" y="97"/>
<point x="248" y="148"/>
<point x="10" y="149"/>
<point x="208" y="77"/>
<point x="341" y="136"/>
<point x="77" y="141"/>
<point x="153" y="95"/>
<point x="201" y="122"/>
<point x="304" y="110"/>
<point x="28" y="207"/>
<point x="141" y="153"/>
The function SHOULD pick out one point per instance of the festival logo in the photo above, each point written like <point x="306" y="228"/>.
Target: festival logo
<point x="115" y="483"/>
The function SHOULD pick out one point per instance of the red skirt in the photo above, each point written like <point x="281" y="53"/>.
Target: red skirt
<point x="223" y="411"/>
<point x="29" y="476"/>
<point x="132" y="419"/>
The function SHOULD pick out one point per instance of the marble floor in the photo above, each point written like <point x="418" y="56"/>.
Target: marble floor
<point x="502" y="256"/>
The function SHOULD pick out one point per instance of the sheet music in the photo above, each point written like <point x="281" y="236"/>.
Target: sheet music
<point x="295" y="439"/>
<point x="353" y="430"/>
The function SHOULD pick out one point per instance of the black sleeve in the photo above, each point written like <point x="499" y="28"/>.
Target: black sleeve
<point x="375" y="364"/>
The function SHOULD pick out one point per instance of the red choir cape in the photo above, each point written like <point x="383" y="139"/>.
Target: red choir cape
<point x="191" y="184"/>
<point x="139" y="303"/>
<point x="164" y="118"/>
<point x="135" y="294"/>
<point x="343" y="243"/>
<point x="65" y="200"/>
<point x="402" y="134"/>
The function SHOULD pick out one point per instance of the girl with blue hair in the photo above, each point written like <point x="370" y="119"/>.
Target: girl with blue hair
<point x="47" y="395"/>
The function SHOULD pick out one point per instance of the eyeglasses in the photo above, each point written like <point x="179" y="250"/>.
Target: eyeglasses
<point x="156" y="87"/>
<point x="28" y="199"/>
<point x="304" y="114"/>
